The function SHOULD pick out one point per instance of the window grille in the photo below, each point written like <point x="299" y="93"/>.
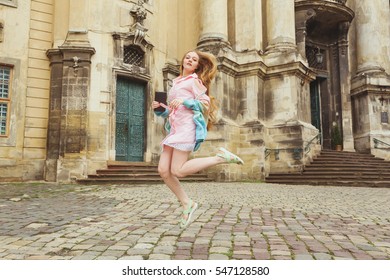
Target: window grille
<point x="5" y="76"/>
<point x="133" y="55"/>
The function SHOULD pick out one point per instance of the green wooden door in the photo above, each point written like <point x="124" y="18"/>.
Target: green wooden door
<point x="315" y="105"/>
<point x="130" y="120"/>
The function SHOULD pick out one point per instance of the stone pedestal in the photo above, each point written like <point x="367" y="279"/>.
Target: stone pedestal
<point x="68" y="115"/>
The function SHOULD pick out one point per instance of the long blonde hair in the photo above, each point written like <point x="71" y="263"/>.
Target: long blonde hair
<point x="206" y="71"/>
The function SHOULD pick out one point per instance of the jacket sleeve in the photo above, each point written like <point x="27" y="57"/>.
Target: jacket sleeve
<point x="201" y="102"/>
<point x="162" y="114"/>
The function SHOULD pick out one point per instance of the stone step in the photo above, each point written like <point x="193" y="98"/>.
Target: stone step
<point x="322" y="176"/>
<point x="126" y="170"/>
<point x="339" y="168"/>
<point x="119" y="172"/>
<point x="355" y="154"/>
<point x="352" y="160"/>
<point x="132" y="181"/>
<point x="341" y="165"/>
<point x="327" y="174"/>
<point x="134" y="175"/>
<point x="327" y="182"/>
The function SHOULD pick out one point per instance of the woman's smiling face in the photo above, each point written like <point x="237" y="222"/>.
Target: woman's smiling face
<point x="190" y="63"/>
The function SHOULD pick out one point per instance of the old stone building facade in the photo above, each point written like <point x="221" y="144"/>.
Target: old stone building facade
<point x="77" y="78"/>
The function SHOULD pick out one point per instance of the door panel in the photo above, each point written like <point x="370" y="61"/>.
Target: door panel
<point x="130" y="120"/>
<point x="315" y="105"/>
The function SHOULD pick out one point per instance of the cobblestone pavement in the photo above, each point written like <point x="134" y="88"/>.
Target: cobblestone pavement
<point x="234" y="221"/>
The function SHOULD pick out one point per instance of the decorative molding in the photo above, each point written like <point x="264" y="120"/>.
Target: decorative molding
<point x="10" y="3"/>
<point x="135" y="37"/>
<point x="139" y="14"/>
<point x="137" y="32"/>
<point x="128" y="71"/>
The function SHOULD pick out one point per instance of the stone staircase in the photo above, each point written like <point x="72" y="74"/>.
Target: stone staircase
<point x="119" y="172"/>
<point x="339" y="169"/>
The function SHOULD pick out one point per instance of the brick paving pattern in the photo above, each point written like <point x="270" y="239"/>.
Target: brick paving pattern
<point x="234" y="221"/>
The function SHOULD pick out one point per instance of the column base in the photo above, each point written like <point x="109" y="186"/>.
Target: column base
<point x="370" y="70"/>
<point x="213" y="44"/>
<point x="280" y="47"/>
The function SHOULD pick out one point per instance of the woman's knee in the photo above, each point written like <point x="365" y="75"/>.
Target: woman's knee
<point x="164" y="172"/>
<point x="177" y="172"/>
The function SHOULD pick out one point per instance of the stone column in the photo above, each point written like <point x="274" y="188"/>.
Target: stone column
<point x="372" y="35"/>
<point x="214" y="22"/>
<point x="286" y="91"/>
<point x="345" y="87"/>
<point x="280" y="25"/>
<point x="248" y="25"/>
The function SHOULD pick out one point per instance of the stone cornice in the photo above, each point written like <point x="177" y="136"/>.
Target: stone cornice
<point x="131" y="38"/>
<point x="376" y="83"/>
<point x="260" y="69"/>
<point x="230" y="67"/>
<point x="132" y="73"/>
<point x="298" y="69"/>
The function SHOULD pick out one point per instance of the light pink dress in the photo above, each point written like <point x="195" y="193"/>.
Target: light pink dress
<point x="182" y="132"/>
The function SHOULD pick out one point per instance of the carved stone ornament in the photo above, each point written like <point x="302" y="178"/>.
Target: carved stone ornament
<point x="138" y="12"/>
<point x="75" y="65"/>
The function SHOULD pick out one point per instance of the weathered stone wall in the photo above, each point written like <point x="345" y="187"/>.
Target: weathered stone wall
<point x="27" y="35"/>
<point x="63" y="109"/>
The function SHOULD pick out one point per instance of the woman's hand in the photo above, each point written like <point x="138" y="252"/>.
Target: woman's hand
<point x="175" y="103"/>
<point x="155" y="104"/>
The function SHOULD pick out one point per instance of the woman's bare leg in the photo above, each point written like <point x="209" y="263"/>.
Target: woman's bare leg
<point x="182" y="167"/>
<point x="164" y="168"/>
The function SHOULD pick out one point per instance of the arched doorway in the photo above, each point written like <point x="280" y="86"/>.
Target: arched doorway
<point x="322" y="29"/>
